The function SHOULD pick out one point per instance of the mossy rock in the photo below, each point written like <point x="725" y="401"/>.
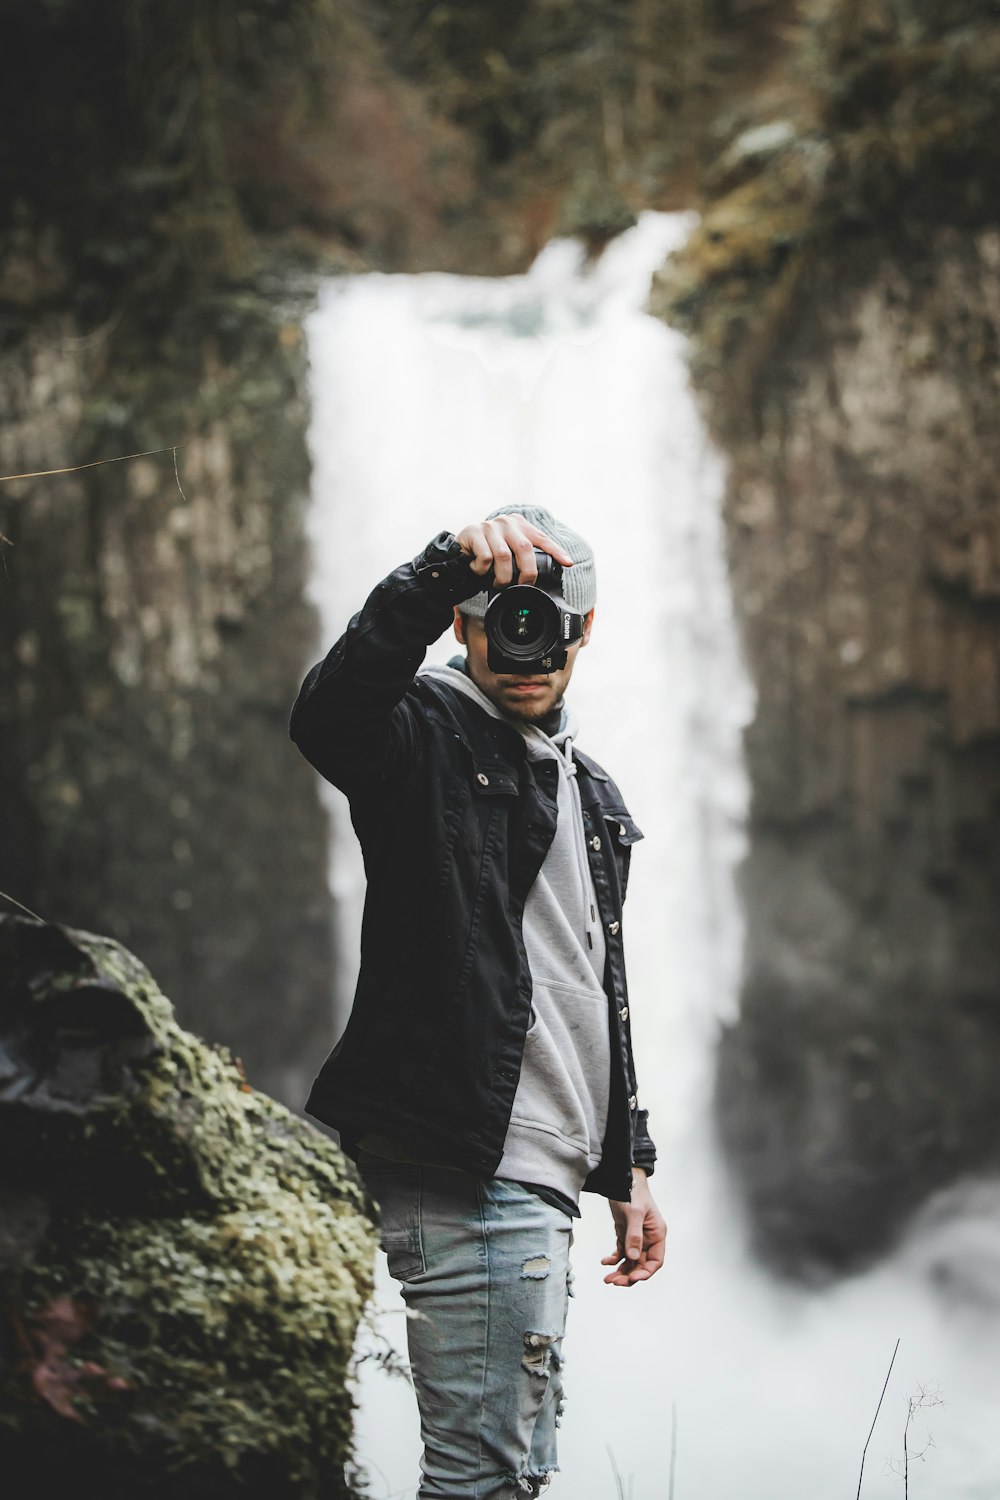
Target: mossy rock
<point x="183" y="1263"/>
<point x="882" y="138"/>
<point x="719" y="278"/>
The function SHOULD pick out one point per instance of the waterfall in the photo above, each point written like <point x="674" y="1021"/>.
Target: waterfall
<point x="436" y="399"/>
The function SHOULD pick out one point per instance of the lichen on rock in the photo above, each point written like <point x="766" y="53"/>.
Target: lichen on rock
<point x="886" y="123"/>
<point x="183" y="1263"/>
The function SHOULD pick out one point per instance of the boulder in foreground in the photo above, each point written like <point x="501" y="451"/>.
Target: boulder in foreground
<point x="183" y="1263"/>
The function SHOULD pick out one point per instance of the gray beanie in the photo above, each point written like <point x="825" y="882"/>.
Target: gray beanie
<point x="579" y="586"/>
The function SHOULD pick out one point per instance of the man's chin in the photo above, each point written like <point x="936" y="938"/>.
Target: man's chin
<point x="528" y="707"/>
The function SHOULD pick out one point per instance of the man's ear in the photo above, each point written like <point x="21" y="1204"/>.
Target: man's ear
<point x="459" y="627"/>
<point x="588" y="621"/>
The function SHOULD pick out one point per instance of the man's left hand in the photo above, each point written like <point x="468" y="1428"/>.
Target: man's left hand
<point x="642" y="1236"/>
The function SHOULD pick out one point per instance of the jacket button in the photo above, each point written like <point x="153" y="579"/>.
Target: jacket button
<point x="595" y="842"/>
<point x="613" y="927"/>
<point x="483" y="780"/>
<point x="435" y="573"/>
<point x="621" y="830"/>
<point x="633" y="1101"/>
<point x="624" y="1012"/>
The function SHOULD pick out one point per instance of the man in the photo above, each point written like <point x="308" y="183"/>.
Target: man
<point x="485" y="1075"/>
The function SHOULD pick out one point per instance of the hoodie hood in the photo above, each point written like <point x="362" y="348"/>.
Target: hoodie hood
<point x="541" y="746"/>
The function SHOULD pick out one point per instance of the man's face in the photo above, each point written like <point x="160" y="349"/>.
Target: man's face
<point x="517" y="695"/>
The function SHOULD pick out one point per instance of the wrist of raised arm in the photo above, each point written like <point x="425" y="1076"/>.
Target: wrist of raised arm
<point x="443" y="570"/>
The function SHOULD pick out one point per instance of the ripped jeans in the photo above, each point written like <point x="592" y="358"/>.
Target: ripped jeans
<point x="483" y="1267"/>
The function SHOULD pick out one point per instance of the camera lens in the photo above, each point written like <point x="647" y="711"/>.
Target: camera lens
<point x="521" y="624"/>
<point x="524" y="623"/>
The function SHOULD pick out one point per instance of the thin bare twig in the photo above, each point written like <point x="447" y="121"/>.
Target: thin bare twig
<point x="673" y="1448"/>
<point x="926" y="1396"/>
<point x="177" y="474"/>
<point x="21" y="907"/>
<point x="623" y="1494"/>
<point x="95" y="464"/>
<point x="875" y="1418"/>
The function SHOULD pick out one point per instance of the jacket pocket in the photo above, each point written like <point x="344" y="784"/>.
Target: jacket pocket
<point x="490" y="779"/>
<point x="623" y="828"/>
<point x="623" y="832"/>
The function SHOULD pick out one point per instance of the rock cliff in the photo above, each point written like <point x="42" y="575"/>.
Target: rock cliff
<point x="185" y="177"/>
<point x="154" y="632"/>
<point x="842" y="295"/>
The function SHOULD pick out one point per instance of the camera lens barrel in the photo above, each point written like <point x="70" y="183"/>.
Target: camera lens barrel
<point x="529" y="626"/>
<point x="524" y="622"/>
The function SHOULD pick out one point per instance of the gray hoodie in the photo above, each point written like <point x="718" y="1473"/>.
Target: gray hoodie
<point x="561" y="1104"/>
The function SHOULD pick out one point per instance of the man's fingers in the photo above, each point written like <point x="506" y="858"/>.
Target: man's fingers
<point x="500" y="550"/>
<point x="633" y="1232"/>
<point x="626" y="1269"/>
<point x="623" y="1278"/>
<point x="527" y="563"/>
<point x="472" y="539"/>
<point x="642" y="1237"/>
<point x="657" y="1250"/>
<point x="506" y="543"/>
<point x="640" y="1252"/>
<point x="546" y="544"/>
<point x="629" y="1274"/>
<point x="520" y="540"/>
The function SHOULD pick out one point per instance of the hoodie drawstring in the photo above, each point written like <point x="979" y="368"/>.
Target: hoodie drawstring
<point x="561" y="746"/>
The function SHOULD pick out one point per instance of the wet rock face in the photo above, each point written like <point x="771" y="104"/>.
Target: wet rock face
<point x="154" y="632"/>
<point x="865" y="554"/>
<point x="841" y="294"/>
<point x="182" y="1262"/>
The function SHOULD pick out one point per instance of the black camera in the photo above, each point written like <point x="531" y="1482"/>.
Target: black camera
<point x="530" y="625"/>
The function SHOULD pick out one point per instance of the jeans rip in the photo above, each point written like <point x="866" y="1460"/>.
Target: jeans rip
<point x="483" y="1265"/>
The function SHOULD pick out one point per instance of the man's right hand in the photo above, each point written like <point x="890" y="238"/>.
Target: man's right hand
<point x="507" y="542"/>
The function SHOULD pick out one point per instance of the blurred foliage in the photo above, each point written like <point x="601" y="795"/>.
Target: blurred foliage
<point x="619" y="91"/>
<point x="906" y="92"/>
<point x="126" y="117"/>
<point x="158" y="144"/>
<point x="894" y="126"/>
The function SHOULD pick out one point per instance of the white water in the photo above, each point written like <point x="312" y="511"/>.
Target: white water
<point x="436" y="399"/>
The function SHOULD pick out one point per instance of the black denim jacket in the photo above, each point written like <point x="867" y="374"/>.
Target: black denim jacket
<point x="454" y="822"/>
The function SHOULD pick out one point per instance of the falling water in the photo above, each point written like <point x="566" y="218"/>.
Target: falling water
<point x="437" y="399"/>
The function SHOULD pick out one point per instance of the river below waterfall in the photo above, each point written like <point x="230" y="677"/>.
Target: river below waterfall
<point x="436" y="399"/>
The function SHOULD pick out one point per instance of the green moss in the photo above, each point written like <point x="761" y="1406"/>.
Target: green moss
<point x="894" y="132"/>
<point x="740" y="247"/>
<point x="219" y="1285"/>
